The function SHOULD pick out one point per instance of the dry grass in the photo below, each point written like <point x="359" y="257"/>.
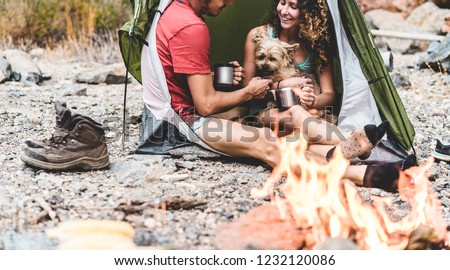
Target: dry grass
<point x="45" y="23"/>
<point x="101" y="49"/>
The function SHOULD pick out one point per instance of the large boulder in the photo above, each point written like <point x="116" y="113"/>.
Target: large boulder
<point x="109" y="74"/>
<point x="393" y="21"/>
<point x="5" y="69"/>
<point x="22" y="62"/>
<point x="403" y="6"/>
<point x="429" y="17"/>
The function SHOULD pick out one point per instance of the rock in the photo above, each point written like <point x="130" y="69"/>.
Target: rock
<point x="37" y="53"/>
<point x="190" y="157"/>
<point x="437" y="56"/>
<point x="375" y="191"/>
<point x="34" y="120"/>
<point x="400" y="79"/>
<point x="5" y="70"/>
<point x="428" y="17"/>
<point x="185" y="164"/>
<point x="380" y="17"/>
<point x="174" y="177"/>
<point x="393" y="21"/>
<point x="27" y="241"/>
<point x="336" y="244"/>
<point x="138" y="167"/>
<point x="228" y="214"/>
<point x="79" y="91"/>
<point x="445" y="201"/>
<point x="110" y="74"/>
<point x="403" y="6"/>
<point x="23" y="63"/>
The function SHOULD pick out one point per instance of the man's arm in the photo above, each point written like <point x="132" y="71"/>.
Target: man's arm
<point x="208" y="101"/>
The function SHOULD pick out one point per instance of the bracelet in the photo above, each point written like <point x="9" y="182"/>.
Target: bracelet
<point x="278" y="84"/>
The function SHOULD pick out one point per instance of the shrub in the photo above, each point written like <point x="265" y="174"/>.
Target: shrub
<point x="46" y="22"/>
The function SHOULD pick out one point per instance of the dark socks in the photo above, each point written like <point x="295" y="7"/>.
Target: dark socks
<point x="385" y="175"/>
<point x="374" y="133"/>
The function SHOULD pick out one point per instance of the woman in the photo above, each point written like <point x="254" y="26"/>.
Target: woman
<point x="308" y="23"/>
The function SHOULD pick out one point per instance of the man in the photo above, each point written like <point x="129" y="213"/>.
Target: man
<point x="183" y="43"/>
<point x="182" y="46"/>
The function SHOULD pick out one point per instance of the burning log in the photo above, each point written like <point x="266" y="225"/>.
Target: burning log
<point x="424" y="237"/>
<point x="261" y="228"/>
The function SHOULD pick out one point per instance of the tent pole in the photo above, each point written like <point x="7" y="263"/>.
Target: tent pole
<point x="131" y="39"/>
<point x="125" y="93"/>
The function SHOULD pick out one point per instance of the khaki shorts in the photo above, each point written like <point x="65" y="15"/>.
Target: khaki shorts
<point x="237" y="114"/>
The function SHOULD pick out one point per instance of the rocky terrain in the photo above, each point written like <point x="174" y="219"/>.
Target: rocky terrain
<point x="199" y="192"/>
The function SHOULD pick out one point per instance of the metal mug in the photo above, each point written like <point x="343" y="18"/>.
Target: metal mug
<point x="285" y="98"/>
<point x="223" y="75"/>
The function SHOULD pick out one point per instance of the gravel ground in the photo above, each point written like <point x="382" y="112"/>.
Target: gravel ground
<point x="216" y="191"/>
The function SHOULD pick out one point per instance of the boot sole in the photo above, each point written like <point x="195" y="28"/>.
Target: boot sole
<point x="440" y="156"/>
<point x="85" y="163"/>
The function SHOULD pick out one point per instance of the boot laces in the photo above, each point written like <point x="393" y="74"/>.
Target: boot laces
<point x="59" y="137"/>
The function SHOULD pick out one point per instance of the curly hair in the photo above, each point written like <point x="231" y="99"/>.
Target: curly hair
<point x="316" y="28"/>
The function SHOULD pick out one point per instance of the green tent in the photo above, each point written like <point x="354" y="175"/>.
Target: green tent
<point x="228" y="32"/>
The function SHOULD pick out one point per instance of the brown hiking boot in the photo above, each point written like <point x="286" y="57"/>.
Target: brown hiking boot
<point x="63" y="119"/>
<point x="63" y="122"/>
<point x="81" y="145"/>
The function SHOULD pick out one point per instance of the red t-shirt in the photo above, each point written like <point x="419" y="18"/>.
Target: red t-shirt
<point x="183" y="42"/>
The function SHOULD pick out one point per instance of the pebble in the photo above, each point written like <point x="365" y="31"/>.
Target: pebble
<point x="174" y="177"/>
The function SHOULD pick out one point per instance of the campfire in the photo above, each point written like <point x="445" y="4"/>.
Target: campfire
<point x="320" y="204"/>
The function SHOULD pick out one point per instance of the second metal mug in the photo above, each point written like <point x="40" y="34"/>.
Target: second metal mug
<point x="285" y="98"/>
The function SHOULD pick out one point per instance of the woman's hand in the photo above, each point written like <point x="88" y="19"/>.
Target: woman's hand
<point x="239" y="73"/>
<point x="306" y="95"/>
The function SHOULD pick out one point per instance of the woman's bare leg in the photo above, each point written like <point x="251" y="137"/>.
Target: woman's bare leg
<point x="298" y="119"/>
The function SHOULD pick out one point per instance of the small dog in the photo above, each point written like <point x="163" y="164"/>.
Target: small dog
<point x="274" y="58"/>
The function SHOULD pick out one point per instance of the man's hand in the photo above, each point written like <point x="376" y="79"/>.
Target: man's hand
<point x="239" y="73"/>
<point x="258" y="87"/>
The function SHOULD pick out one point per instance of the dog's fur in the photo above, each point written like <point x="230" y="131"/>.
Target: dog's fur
<point x="273" y="58"/>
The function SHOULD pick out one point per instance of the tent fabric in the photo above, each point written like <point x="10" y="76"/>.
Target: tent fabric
<point x="355" y="90"/>
<point x="144" y="12"/>
<point x="360" y="74"/>
<point x="355" y="86"/>
<point x="158" y="100"/>
<point x="155" y="137"/>
<point x="387" y="99"/>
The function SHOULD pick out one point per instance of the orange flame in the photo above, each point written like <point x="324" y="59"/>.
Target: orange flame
<point x="326" y="205"/>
